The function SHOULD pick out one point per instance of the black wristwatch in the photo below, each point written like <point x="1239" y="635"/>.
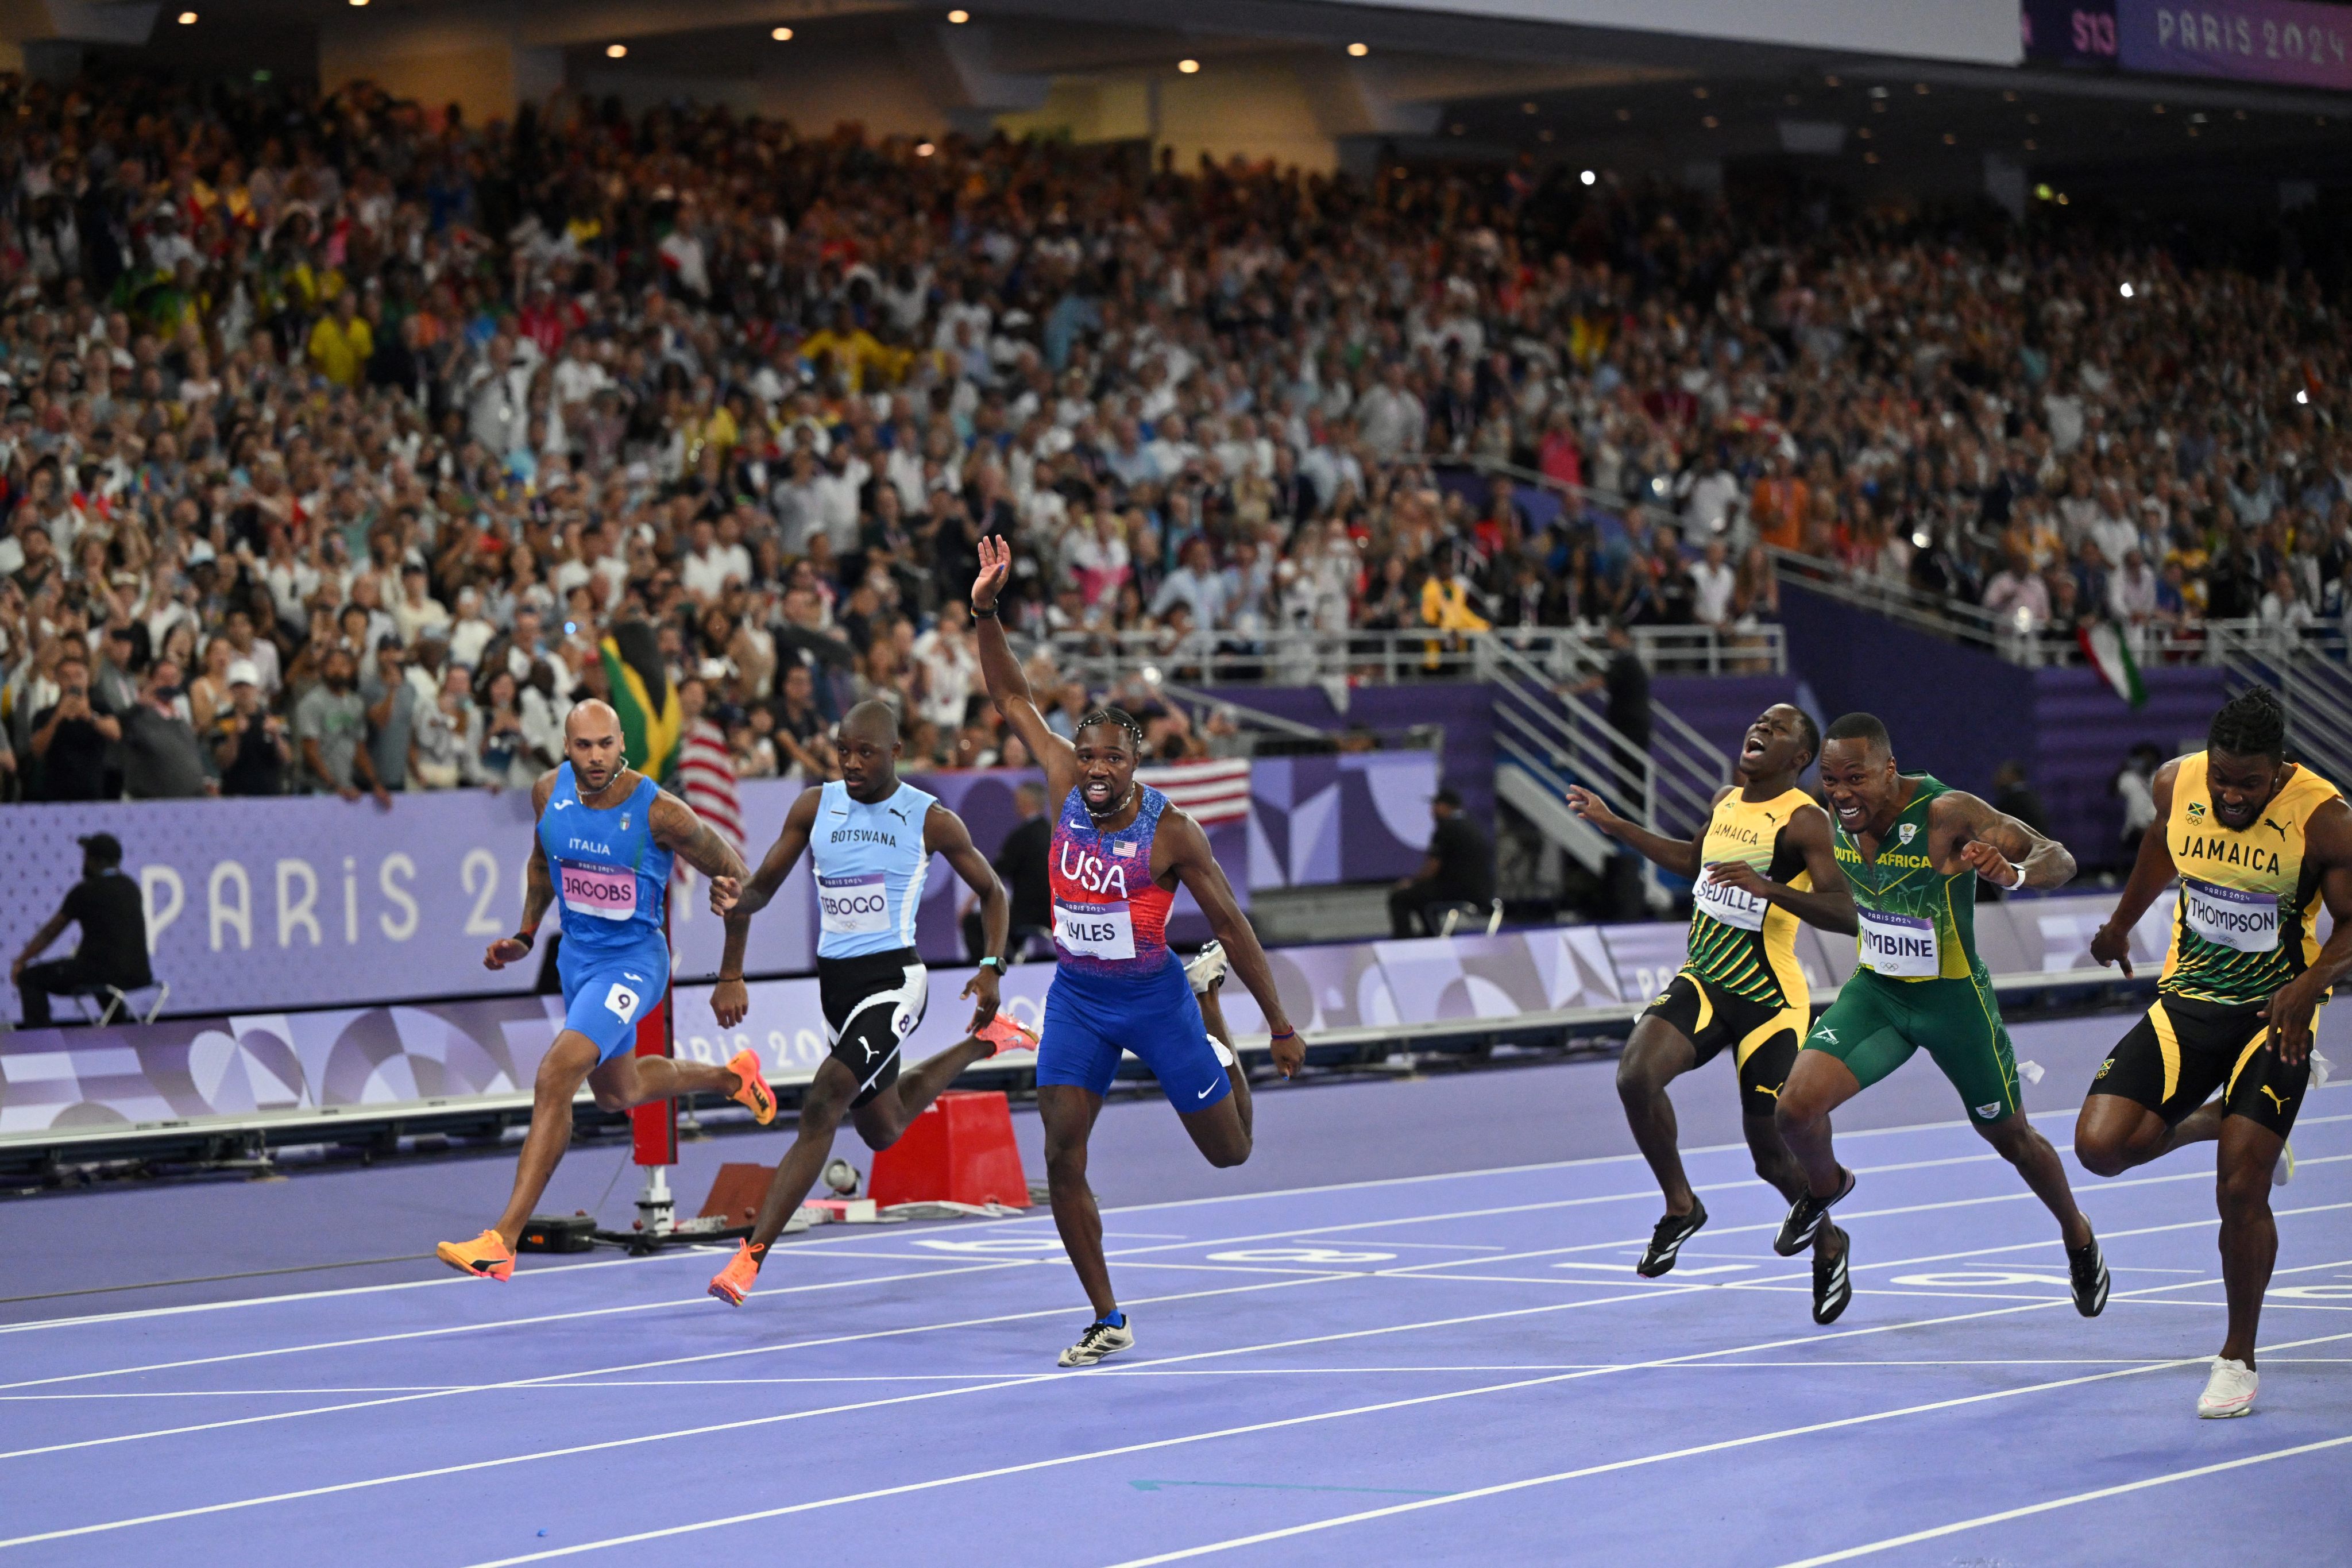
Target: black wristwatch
<point x="987" y="615"/>
<point x="993" y="962"/>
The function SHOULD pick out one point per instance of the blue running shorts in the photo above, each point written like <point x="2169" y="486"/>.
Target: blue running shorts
<point x="605" y="995"/>
<point x="1090" y="1019"/>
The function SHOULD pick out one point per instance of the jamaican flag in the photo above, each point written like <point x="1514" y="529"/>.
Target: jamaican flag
<point x="651" y="723"/>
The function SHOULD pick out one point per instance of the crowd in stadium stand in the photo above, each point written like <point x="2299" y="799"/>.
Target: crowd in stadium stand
<point x="346" y="441"/>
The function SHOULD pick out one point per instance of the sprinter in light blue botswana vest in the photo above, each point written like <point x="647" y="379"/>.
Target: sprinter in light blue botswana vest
<point x="871" y="839"/>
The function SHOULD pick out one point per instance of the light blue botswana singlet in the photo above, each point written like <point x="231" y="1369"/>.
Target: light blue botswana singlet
<point x="870" y="865"/>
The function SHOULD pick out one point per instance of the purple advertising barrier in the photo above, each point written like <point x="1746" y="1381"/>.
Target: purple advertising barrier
<point x="1346" y="817"/>
<point x="245" y="1070"/>
<point x="314" y="902"/>
<point x="1464" y="707"/>
<point x="2282" y="41"/>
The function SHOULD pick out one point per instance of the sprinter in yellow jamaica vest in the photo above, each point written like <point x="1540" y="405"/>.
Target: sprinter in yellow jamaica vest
<point x="1911" y="848"/>
<point x="2259" y="844"/>
<point x="1762" y="863"/>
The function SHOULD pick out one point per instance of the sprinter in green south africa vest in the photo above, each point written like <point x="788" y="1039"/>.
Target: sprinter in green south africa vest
<point x="1911" y="848"/>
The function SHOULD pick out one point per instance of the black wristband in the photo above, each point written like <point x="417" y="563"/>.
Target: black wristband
<point x="528" y="938"/>
<point x="987" y="615"/>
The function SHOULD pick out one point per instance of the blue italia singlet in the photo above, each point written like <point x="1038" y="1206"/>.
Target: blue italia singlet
<point x="870" y="865"/>
<point x="609" y="877"/>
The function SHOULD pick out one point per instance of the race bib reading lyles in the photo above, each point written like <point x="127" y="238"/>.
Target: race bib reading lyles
<point x="2231" y="917"/>
<point x="1726" y="905"/>
<point x="1094" y="930"/>
<point x="599" y="891"/>
<point x="1901" y="947"/>
<point x="852" y="906"/>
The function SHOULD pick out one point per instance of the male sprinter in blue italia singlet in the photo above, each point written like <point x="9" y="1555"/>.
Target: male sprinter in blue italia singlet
<point x="605" y="841"/>
<point x="1119" y="852"/>
<point x="871" y="837"/>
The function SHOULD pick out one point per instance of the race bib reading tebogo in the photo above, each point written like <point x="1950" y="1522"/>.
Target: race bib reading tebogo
<point x="1901" y="947"/>
<point x="1728" y="905"/>
<point x="599" y="891"/>
<point x="852" y="906"/>
<point x="1094" y="930"/>
<point x="2231" y="917"/>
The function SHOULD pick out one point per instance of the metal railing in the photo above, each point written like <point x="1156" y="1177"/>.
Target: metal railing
<point x="1393" y="658"/>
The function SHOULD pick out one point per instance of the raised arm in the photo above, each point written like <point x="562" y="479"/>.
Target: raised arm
<point x="538" y="888"/>
<point x="2151" y="873"/>
<point x="1996" y="846"/>
<point x="1007" y="687"/>
<point x="729" y="999"/>
<point x="1674" y="854"/>
<point x="1828" y="903"/>
<point x="2327" y="841"/>
<point x="1189" y="858"/>
<point x="944" y="832"/>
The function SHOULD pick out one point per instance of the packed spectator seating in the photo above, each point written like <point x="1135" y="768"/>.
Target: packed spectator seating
<point x="342" y="436"/>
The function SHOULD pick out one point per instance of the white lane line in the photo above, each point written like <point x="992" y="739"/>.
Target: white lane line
<point x="994" y="1263"/>
<point x="807" y="1415"/>
<point x="2004" y="1516"/>
<point x="554" y="1271"/>
<point x="530" y="1382"/>
<point x="911" y="1487"/>
<point x="1610" y="1468"/>
<point x="838" y="1242"/>
<point x="1123" y="1257"/>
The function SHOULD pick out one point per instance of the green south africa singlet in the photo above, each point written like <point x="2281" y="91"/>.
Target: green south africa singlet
<point x="1914" y="924"/>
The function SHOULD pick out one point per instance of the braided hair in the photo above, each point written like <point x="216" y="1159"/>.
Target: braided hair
<point x="1122" y="717"/>
<point x="2250" y="724"/>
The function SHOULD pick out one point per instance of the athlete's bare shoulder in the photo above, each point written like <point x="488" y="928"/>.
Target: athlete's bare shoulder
<point x="943" y="829"/>
<point x="2328" y="833"/>
<point x="542" y="790"/>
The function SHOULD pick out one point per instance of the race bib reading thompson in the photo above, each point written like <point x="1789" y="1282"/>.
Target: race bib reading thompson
<point x="599" y="891"/>
<point x="1728" y="905"/>
<point x="2231" y="917"/>
<point x="852" y="906"/>
<point x="1901" y="947"/>
<point x="1094" y="930"/>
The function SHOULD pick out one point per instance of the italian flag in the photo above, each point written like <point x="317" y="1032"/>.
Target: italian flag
<point x="2109" y="652"/>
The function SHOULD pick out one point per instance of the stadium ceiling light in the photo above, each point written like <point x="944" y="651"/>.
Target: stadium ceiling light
<point x="359" y="2"/>
<point x="959" y="19"/>
<point x="616" y="51"/>
<point x="187" y="18"/>
<point x="1189" y="68"/>
<point x="1360" y="50"/>
<point x="2127" y="290"/>
<point x="1589" y="177"/>
<point x="781" y="35"/>
<point x="924" y="149"/>
<point x="2302" y="395"/>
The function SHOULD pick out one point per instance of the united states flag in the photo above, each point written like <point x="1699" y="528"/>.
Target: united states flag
<point x="705" y="776"/>
<point x="1214" y="790"/>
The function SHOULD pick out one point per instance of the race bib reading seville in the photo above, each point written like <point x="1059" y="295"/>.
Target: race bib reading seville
<point x="2231" y="917"/>
<point x="1901" y="947"/>
<point x="1729" y="906"/>
<point x="1094" y="930"/>
<point x="599" y="891"/>
<point x="852" y="906"/>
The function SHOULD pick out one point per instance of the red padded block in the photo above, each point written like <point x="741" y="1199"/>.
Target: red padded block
<point x="959" y="1150"/>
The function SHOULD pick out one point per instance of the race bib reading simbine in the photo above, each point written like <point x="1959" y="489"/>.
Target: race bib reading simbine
<point x="1901" y="947"/>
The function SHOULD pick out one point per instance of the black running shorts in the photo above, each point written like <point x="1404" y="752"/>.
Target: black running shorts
<point x="2182" y="1050"/>
<point x="872" y="1002"/>
<point x="1763" y="1040"/>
